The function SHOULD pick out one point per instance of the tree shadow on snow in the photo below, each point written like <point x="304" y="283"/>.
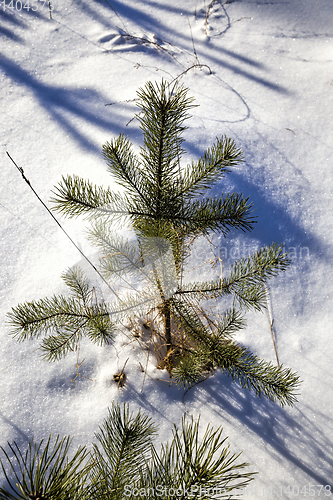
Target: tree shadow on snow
<point x="66" y="104"/>
<point x="13" y="22"/>
<point x="274" y="223"/>
<point x="20" y="438"/>
<point x="286" y="434"/>
<point x="122" y="13"/>
<point x="75" y="378"/>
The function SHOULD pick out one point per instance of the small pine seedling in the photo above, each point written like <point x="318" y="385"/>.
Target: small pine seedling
<point x="168" y="209"/>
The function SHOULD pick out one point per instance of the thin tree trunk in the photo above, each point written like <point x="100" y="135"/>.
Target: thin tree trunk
<point x="167" y="325"/>
<point x="166" y="312"/>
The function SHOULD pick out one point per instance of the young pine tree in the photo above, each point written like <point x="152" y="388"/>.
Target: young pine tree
<point x="168" y="207"/>
<point x="124" y="463"/>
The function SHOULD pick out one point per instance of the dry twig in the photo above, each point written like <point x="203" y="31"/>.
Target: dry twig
<point x="120" y="377"/>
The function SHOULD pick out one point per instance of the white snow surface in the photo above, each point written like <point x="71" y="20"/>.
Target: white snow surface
<point x="270" y="89"/>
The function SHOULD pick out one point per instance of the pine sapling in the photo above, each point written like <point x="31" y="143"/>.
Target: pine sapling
<point x="167" y="206"/>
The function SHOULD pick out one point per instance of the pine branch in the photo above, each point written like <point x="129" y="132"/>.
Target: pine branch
<point x="232" y="321"/>
<point x="75" y="196"/>
<point x="164" y="112"/>
<point x="33" y="319"/>
<point x="218" y="215"/>
<point x="124" y="463"/>
<point x="124" y="442"/>
<point x="202" y="216"/>
<point x="275" y="383"/>
<point x="55" y="347"/>
<point x="124" y="166"/>
<point x="120" y="257"/>
<point x="188" y="370"/>
<point x="199" y="459"/>
<point x="45" y="472"/>
<point x="64" y="321"/>
<point x="248" y="275"/>
<point x="189" y="464"/>
<point x="211" y="167"/>
<point x="78" y="283"/>
<point x="67" y="318"/>
<point x="245" y="279"/>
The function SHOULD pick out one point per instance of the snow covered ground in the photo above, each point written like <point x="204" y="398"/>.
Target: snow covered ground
<point x="271" y="89"/>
